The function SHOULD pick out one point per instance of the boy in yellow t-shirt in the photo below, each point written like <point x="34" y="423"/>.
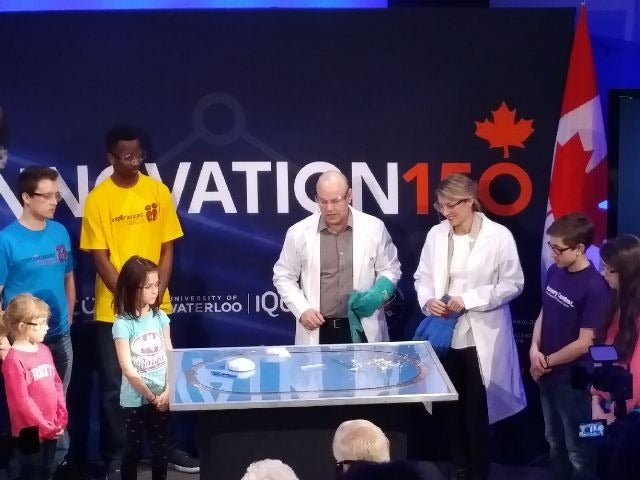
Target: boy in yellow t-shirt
<point x="127" y="214"/>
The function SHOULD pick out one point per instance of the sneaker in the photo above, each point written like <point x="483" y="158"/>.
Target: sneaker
<point x="70" y="471"/>
<point x="113" y="472"/>
<point x="181" y="461"/>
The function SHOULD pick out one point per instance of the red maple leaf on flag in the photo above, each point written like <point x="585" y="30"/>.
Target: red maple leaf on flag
<point x="504" y="131"/>
<point x="573" y="189"/>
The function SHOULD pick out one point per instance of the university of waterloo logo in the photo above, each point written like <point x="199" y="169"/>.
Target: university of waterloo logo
<point x="151" y="212"/>
<point x="61" y="250"/>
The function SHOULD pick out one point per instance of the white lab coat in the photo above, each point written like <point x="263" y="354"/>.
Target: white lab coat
<point x="296" y="274"/>
<point x="494" y="278"/>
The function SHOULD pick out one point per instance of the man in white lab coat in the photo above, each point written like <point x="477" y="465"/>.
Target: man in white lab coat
<point x="328" y="255"/>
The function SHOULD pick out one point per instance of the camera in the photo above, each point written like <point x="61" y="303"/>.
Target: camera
<point x="605" y="376"/>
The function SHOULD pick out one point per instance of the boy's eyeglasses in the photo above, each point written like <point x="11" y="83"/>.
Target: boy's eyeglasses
<point x="558" y="250"/>
<point x="130" y="158"/>
<point x="57" y="196"/>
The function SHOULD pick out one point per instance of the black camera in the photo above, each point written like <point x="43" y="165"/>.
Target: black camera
<point x="616" y="380"/>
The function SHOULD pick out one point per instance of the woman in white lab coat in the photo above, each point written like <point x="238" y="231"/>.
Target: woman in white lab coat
<point x="475" y="261"/>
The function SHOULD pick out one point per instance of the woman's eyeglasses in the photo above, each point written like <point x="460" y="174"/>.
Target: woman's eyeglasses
<point x="441" y="207"/>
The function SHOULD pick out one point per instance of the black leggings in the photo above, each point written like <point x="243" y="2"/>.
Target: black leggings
<point x="467" y="420"/>
<point x="137" y="420"/>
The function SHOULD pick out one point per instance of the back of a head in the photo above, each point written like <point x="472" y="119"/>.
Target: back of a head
<point x="269" y="470"/>
<point x="396" y="470"/>
<point x="360" y="440"/>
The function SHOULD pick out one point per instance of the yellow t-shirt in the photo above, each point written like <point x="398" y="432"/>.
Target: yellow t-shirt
<point x="127" y="222"/>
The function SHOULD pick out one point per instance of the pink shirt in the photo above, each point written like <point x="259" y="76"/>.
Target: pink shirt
<point x="633" y="364"/>
<point x="34" y="392"/>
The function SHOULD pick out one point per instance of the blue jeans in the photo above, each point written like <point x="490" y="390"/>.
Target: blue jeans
<point x="563" y="408"/>
<point x="62" y="352"/>
<point x="38" y="466"/>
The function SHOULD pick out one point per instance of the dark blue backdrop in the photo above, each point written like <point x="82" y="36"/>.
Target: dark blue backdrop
<point x="240" y="108"/>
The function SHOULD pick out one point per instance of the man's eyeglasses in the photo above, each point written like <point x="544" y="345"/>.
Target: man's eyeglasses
<point x="131" y="157"/>
<point x="441" y="207"/>
<point x="38" y="325"/>
<point x="334" y="201"/>
<point x="57" y="196"/>
<point x="558" y="250"/>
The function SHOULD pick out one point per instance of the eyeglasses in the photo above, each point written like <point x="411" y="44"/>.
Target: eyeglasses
<point x="38" y="325"/>
<point x="558" y="250"/>
<point x="151" y="285"/>
<point x="131" y="157"/>
<point x="57" y="196"/>
<point x="343" y="466"/>
<point x="334" y="201"/>
<point x="441" y="207"/>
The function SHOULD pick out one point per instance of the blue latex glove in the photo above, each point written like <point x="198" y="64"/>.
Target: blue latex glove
<point x="438" y="330"/>
<point x="366" y="304"/>
<point x="355" y="325"/>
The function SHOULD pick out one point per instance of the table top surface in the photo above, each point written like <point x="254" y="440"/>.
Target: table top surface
<point x="307" y="375"/>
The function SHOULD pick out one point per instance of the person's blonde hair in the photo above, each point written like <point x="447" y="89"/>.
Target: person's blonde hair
<point x="269" y="469"/>
<point x="459" y="186"/>
<point x="22" y="308"/>
<point x="360" y="440"/>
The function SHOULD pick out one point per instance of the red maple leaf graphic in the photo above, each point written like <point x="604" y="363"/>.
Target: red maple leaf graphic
<point x="504" y="131"/>
<point x="573" y="189"/>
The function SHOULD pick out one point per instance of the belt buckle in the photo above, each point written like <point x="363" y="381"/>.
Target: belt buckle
<point x="336" y="321"/>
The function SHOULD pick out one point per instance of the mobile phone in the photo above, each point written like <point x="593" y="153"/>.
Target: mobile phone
<point x="29" y="440"/>
<point x="603" y="353"/>
<point x="592" y="429"/>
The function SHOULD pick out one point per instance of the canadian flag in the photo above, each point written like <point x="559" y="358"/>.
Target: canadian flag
<point x="579" y="171"/>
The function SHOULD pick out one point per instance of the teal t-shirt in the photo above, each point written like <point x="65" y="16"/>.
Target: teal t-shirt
<point x="36" y="262"/>
<point x="148" y="353"/>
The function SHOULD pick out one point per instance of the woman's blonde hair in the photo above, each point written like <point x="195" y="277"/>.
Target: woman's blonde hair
<point x="22" y="308"/>
<point x="459" y="186"/>
<point x="360" y="440"/>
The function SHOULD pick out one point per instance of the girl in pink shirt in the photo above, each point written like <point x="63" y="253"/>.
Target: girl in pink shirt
<point x="621" y="268"/>
<point x="35" y="397"/>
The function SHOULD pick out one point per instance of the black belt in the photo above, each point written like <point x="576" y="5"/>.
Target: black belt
<point x="342" y="322"/>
